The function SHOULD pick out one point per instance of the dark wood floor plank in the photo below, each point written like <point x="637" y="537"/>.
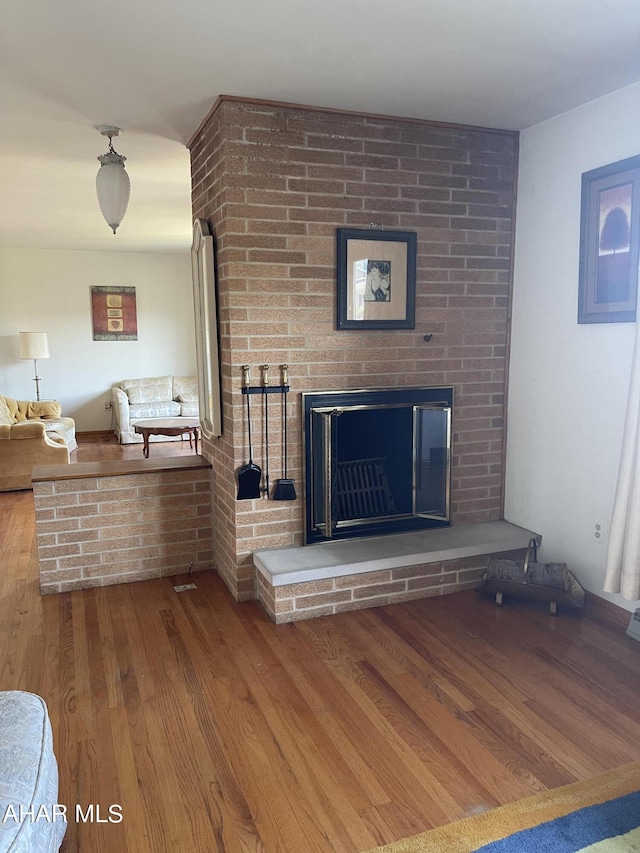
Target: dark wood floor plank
<point x="139" y="832"/>
<point x="455" y="753"/>
<point x="192" y="694"/>
<point x="295" y="725"/>
<point x="580" y="763"/>
<point x="263" y="772"/>
<point x="479" y="777"/>
<point x="316" y="770"/>
<point x="328" y="715"/>
<point x="499" y="732"/>
<point x="454" y="656"/>
<point x="363" y="725"/>
<point x="581" y="710"/>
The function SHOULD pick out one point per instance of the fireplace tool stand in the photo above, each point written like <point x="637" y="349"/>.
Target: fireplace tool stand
<point x="265" y="389"/>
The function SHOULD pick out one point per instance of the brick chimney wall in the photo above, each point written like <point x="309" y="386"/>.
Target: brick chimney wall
<point x="275" y="182"/>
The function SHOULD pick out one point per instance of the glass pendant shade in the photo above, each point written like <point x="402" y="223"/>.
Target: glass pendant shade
<point x="113" y="188"/>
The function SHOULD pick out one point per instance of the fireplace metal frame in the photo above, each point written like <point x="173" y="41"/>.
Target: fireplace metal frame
<point x="325" y="402"/>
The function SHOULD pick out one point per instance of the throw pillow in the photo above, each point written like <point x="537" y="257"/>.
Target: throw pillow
<point x="44" y="409"/>
<point x="185" y="389"/>
<point x="14" y="409"/>
<point x="154" y="390"/>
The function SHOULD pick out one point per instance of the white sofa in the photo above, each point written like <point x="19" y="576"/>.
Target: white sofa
<point x="33" y="820"/>
<point x="136" y="400"/>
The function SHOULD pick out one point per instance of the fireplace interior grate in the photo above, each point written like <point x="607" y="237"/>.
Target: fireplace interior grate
<point x="362" y="489"/>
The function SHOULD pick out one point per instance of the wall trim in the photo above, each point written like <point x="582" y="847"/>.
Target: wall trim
<point x="96" y="435"/>
<point x="601" y="609"/>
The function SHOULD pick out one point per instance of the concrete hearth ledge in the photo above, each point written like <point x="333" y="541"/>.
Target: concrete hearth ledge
<point x="281" y="566"/>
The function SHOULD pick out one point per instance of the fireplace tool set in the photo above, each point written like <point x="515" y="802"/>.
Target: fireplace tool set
<point x="250" y="475"/>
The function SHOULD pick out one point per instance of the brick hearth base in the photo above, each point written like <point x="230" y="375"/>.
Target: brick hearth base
<point x="320" y="580"/>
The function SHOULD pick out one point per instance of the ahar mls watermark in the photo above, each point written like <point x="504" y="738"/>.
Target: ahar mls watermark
<point x="57" y="812"/>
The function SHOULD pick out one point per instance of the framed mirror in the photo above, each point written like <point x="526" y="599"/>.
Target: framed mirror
<point x="206" y="320"/>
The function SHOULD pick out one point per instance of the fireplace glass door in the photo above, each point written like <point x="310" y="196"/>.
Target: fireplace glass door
<point x="382" y="467"/>
<point x="432" y="440"/>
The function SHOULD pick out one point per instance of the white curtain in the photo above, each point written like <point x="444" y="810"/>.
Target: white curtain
<point x="623" y="557"/>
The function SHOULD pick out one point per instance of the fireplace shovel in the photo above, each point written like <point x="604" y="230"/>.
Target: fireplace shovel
<point x="249" y="475"/>
<point x="285" y="489"/>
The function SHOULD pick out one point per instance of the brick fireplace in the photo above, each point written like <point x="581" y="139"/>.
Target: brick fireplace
<point x="275" y="182"/>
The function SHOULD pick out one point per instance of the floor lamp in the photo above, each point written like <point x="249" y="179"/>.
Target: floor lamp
<point x="34" y="345"/>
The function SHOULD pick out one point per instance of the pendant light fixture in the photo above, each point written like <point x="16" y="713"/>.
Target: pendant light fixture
<point x="112" y="182"/>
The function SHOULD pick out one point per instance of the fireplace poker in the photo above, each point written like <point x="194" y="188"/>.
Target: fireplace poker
<point x="265" y="394"/>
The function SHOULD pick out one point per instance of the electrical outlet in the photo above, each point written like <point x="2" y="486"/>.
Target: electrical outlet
<point x="107" y="404"/>
<point x="598" y="531"/>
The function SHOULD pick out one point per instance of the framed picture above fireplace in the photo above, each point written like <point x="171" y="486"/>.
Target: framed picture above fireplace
<point x="376" y="279"/>
<point x="609" y="242"/>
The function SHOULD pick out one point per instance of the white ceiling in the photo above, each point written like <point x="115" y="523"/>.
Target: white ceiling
<point x="155" y="67"/>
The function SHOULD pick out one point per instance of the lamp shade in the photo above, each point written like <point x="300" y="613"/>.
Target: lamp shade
<point x="34" y="345"/>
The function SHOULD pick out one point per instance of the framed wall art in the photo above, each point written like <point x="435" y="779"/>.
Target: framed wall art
<point x="113" y="311"/>
<point x="609" y="241"/>
<point x="376" y="279"/>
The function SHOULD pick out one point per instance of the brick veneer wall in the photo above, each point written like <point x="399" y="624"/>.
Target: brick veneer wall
<point x="102" y="530"/>
<point x="275" y="182"/>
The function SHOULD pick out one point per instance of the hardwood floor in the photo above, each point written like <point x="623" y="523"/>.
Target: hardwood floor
<point x="216" y="730"/>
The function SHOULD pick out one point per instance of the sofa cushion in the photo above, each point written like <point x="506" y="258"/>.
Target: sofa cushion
<point x="65" y="427"/>
<point x="190" y="410"/>
<point x="5" y="415"/>
<point x="43" y="409"/>
<point x="56" y="437"/>
<point x="21" y="411"/>
<point x="15" y="409"/>
<point x="185" y="389"/>
<point x="60" y="430"/>
<point x="158" y="389"/>
<point x="154" y="410"/>
<point x="27" y="429"/>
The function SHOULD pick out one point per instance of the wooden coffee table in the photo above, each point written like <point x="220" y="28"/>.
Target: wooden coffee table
<point x="167" y="426"/>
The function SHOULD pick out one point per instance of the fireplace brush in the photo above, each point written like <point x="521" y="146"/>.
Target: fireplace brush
<point x="285" y="489"/>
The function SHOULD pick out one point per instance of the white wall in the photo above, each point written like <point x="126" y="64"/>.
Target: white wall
<point x="49" y="291"/>
<point x="568" y="382"/>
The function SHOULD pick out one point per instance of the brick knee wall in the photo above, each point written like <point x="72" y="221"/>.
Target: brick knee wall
<point x="103" y="530"/>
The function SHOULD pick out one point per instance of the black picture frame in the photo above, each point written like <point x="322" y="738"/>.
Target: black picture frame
<point x="376" y="279"/>
<point x="609" y="243"/>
